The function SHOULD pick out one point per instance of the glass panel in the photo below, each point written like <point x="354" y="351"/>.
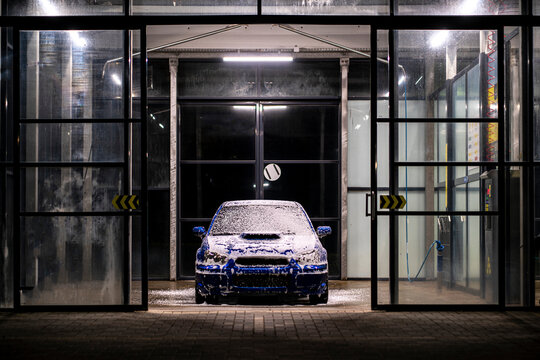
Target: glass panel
<point x="332" y="245"/>
<point x="358" y="236"/>
<point x="536" y="84"/>
<point x="158" y="230"/>
<point x="69" y="189"/>
<point x="158" y="78"/>
<point x="300" y="78"/>
<point x="135" y="291"/>
<point x="79" y="74"/>
<point x="6" y="237"/>
<point x="135" y="71"/>
<point x="448" y="188"/>
<point x="217" y="132"/>
<point x="359" y="149"/>
<point x="536" y="242"/>
<point x="62" y="7"/>
<point x="72" y="142"/>
<point x="159" y="145"/>
<point x="536" y="7"/>
<point x="515" y="242"/>
<point x="325" y="7"/>
<point x="219" y="79"/>
<point x="77" y="263"/>
<point x="444" y="142"/>
<point x="315" y="186"/>
<point x="194" y="7"/>
<point x="383" y="82"/>
<point x="205" y="186"/>
<point x="463" y="272"/>
<point x="513" y="91"/>
<point x="307" y="132"/>
<point x="383" y="264"/>
<point x="458" y="7"/>
<point x="427" y="61"/>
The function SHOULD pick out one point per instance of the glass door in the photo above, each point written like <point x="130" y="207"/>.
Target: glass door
<point x="442" y="247"/>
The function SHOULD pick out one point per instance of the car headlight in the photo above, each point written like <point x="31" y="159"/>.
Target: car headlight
<point x="214" y="257"/>
<point x="307" y="257"/>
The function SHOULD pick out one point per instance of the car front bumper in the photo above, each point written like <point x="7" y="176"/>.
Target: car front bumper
<point x="232" y="279"/>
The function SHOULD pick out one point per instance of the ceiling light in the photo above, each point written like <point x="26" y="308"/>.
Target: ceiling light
<point x="49" y="8"/>
<point x="77" y="39"/>
<point x="275" y="107"/>
<point x="439" y="38"/>
<point x="116" y="79"/>
<point x="469" y="7"/>
<point x="258" y="58"/>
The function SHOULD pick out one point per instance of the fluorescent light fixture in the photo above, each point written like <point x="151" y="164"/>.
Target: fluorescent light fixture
<point x="76" y="39"/>
<point x="258" y="58"/>
<point x="116" y="79"/>
<point x="243" y="107"/>
<point x="161" y="126"/>
<point x="401" y="80"/>
<point x="439" y="38"/>
<point x="417" y="81"/>
<point x="275" y="107"/>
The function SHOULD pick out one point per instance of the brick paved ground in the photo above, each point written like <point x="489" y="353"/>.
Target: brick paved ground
<point x="236" y="332"/>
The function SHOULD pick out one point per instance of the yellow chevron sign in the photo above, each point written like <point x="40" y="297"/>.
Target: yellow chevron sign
<point x="392" y="201"/>
<point x="126" y="202"/>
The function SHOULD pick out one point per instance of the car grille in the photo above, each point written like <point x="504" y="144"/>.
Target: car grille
<point x="262" y="261"/>
<point x="261" y="280"/>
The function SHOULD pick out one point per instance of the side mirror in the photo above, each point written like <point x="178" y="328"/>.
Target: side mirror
<point x="199" y="231"/>
<point x="322" y="231"/>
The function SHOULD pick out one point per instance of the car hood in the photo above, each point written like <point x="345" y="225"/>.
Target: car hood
<point x="234" y="246"/>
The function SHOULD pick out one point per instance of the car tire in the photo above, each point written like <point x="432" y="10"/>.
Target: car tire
<point x="199" y="299"/>
<point x="212" y="299"/>
<point x="319" y="299"/>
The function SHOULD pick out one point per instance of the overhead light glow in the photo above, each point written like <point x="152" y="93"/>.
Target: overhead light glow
<point x="76" y="39"/>
<point x="243" y="107"/>
<point x="401" y="80"/>
<point x="258" y="58"/>
<point x="439" y="38"/>
<point x="116" y="79"/>
<point x="469" y="7"/>
<point x="48" y="8"/>
<point x="161" y="126"/>
<point x="275" y="107"/>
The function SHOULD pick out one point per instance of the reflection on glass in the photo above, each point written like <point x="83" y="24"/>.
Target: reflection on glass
<point x="447" y="260"/>
<point x="71" y="142"/>
<point x="194" y="7"/>
<point x="440" y="73"/>
<point x="217" y="132"/>
<point x="6" y="237"/>
<point x="79" y="74"/>
<point x="444" y="142"/>
<point x="306" y="132"/>
<point x="325" y="7"/>
<point x="448" y="188"/>
<point x="62" y="7"/>
<point x="536" y="84"/>
<point x="69" y="189"/>
<point x="158" y="145"/>
<point x="513" y="115"/>
<point x="79" y="262"/>
<point x="458" y="7"/>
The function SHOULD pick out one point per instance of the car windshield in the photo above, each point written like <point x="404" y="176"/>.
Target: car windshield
<point x="238" y="219"/>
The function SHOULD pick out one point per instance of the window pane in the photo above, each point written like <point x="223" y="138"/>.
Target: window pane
<point x="158" y="234"/>
<point x="217" y="132"/>
<point x="79" y="75"/>
<point x="216" y="79"/>
<point x="6" y="237"/>
<point x="463" y="272"/>
<point x="448" y="188"/>
<point x="158" y="78"/>
<point x="72" y="142"/>
<point x="306" y="132"/>
<point x="536" y="84"/>
<point x="79" y="262"/>
<point x="434" y="61"/>
<point x="300" y="78"/>
<point x="513" y="92"/>
<point x="315" y="186"/>
<point x="205" y="187"/>
<point x="458" y="7"/>
<point x="159" y="145"/>
<point x="70" y="189"/>
<point x="445" y="142"/>
<point x="325" y="7"/>
<point x="194" y="7"/>
<point x="63" y="7"/>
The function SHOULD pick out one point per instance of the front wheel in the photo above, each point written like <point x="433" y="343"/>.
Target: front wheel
<point x="319" y="299"/>
<point x="199" y="299"/>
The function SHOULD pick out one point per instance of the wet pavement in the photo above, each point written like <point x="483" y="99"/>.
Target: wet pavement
<point x="176" y="328"/>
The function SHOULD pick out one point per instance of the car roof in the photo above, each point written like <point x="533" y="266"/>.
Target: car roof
<point x="261" y="202"/>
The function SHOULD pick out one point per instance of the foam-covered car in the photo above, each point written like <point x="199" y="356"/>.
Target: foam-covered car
<point x="261" y="247"/>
